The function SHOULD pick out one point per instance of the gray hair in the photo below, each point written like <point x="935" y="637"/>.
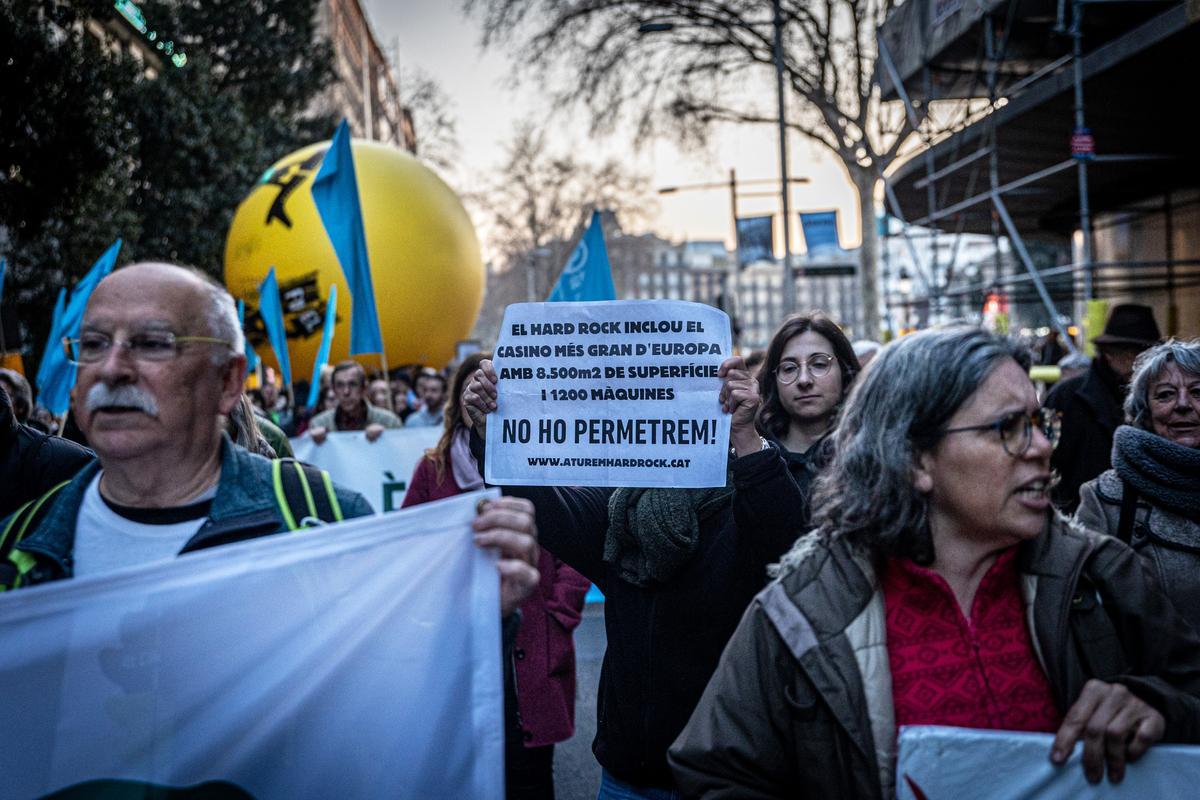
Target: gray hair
<point x="221" y="319"/>
<point x="897" y="410"/>
<point x="865" y="347"/>
<point x="1149" y="367"/>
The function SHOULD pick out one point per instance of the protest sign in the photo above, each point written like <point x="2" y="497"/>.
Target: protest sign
<point x="378" y="470"/>
<point x="609" y="394"/>
<point x="944" y="763"/>
<point x="357" y="660"/>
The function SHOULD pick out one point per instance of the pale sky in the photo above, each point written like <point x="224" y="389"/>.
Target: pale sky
<point x="433" y="35"/>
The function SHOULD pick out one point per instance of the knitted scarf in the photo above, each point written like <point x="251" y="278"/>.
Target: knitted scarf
<point x="653" y="532"/>
<point x="1165" y="473"/>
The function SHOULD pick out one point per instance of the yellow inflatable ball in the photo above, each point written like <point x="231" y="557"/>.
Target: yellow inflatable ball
<point x="425" y="262"/>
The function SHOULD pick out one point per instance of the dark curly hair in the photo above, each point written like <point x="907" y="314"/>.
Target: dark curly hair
<point x="773" y="418"/>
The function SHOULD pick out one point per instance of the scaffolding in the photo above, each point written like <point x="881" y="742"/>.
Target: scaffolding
<point x="1002" y="70"/>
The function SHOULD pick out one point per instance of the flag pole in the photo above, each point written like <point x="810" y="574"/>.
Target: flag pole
<point x="387" y="376"/>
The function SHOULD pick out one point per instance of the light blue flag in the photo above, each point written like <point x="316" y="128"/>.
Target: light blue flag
<point x="271" y="310"/>
<point x="53" y="339"/>
<point x="322" y="359"/>
<point x="56" y="375"/>
<point x="587" y="275"/>
<point x="251" y="356"/>
<point x="335" y="194"/>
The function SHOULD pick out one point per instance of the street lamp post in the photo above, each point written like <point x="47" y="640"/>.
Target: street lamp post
<point x="734" y="194"/>
<point x="789" y="278"/>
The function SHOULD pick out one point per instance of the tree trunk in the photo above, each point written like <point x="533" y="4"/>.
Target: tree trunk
<point x="864" y="182"/>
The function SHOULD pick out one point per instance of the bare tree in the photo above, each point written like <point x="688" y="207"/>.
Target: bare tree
<point x="433" y="118"/>
<point x="532" y="210"/>
<point x="679" y="67"/>
<point x="537" y="200"/>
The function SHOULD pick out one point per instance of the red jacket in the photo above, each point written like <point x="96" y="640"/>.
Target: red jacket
<point x="545" y="651"/>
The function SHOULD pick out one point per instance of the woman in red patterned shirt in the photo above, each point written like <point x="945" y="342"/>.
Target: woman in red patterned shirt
<point x="940" y="588"/>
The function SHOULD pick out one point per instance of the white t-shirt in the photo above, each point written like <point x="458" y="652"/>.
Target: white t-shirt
<point x="106" y="540"/>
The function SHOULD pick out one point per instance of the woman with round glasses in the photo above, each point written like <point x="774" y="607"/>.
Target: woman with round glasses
<point x="809" y="368"/>
<point x="939" y="588"/>
<point x="1151" y="497"/>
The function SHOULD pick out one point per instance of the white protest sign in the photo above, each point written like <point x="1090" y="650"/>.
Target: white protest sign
<point x="944" y="763"/>
<point x="361" y="659"/>
<point x="379" y="470"/>
<point x="616" y="393"/>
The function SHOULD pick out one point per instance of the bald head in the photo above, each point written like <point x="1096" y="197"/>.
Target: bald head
<point x="156" y="402"/>
<point x="200" y="301"/>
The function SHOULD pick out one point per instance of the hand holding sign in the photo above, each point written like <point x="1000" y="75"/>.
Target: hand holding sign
<point x="739" y="397"/>
<point x="479" y="397"/>
<point x="607" y="394"/>
<point x="1114" y="725"/>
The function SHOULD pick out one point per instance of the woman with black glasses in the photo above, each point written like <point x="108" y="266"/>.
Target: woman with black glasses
<point x="940" y="588"/>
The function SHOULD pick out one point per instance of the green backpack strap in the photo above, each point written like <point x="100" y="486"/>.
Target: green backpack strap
<point x="304" y="493"/>
<point x="15" y="563"/>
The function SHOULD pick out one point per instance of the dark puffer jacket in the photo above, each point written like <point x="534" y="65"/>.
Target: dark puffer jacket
<point x="664" y="640"/>
<point x="33" y="462"/>
<point x="801" y="703"/>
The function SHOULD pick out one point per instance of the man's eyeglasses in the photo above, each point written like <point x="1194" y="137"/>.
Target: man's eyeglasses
<point x="159" y="346"/>
<point x="1016" y="429"/>
<point x="818" y="367"/>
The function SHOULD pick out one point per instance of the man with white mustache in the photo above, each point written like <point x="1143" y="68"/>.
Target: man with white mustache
<point x="160" y="355"/>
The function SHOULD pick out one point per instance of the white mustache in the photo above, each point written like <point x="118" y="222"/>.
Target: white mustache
<point x="127" y="396"/>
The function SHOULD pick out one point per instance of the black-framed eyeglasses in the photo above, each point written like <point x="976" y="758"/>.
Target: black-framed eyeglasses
<point x="1016" y="429"/>
<point x="818" y="365"/>
<point x="154" y="346"/>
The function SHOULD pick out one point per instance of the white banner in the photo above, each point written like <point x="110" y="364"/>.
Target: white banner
<point x="358" y="661"/>
<point x="944" y="763"/>
<point x="620" y="393"/>
<point x="378" y="470"/>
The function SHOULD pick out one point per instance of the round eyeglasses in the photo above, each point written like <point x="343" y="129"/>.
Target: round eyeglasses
<point x="818" y="367"/>
<point x="1016" y="429"/>
<point x="157" y="346"/>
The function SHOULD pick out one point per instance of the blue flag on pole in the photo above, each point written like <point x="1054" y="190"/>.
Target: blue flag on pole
<point x="251" y="356"/>
<point x="271" y="310"/>
<point x="56" y="375"/>
<point x="314" y="390"/>
<point x="821" y="232"/>
<point x="335" y="194"/>
<point x="587" y="274"/>
<point x="3" y="270"/>
<point x="53" y="339"/>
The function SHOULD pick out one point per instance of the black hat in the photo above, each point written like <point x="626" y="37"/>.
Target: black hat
<point x="1130" y="324"/>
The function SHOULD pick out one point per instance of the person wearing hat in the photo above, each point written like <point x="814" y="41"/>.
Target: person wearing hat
<point x="1091" y="403"/>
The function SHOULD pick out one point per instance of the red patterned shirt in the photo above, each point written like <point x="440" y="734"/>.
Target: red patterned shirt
<point x="949" y="670"/>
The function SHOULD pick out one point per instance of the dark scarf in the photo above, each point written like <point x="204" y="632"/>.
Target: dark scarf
<point x="653" y="532"/>
<point x="1165" y="473"/>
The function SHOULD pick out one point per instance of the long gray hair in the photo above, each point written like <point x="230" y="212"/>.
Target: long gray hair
<point x="1149" y="367"/>
<point x="898" y="409"/>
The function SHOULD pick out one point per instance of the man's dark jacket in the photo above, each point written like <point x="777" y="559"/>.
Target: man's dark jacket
<point x="664" y="640"/>
<point x="1091" y="411"/>
<point x="244" y="508"/>
<point x="32" y="462"/>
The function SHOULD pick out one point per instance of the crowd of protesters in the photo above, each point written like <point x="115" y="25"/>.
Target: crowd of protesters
<point x="889" y="538"/>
